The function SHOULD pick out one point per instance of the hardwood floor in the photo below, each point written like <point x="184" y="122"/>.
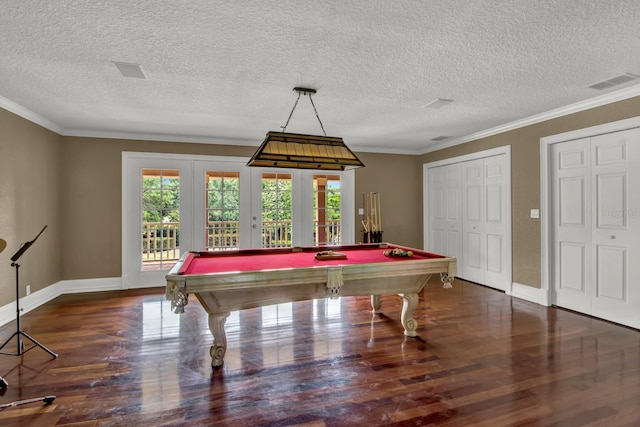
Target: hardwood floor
<point x="482" y="358"/>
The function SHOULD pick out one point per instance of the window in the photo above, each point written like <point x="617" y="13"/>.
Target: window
<point x="326" y="208"/>
<point x="223" y="210"/>
<point x="276" y="210"/>
<point x="160" y="218"/>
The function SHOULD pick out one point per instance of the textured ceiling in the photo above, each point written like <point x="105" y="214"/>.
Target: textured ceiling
<point x="223" y="71"/>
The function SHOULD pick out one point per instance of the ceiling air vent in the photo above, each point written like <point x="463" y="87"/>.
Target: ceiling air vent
<point x="130" y="70"/>
<point x="615" y="81"/>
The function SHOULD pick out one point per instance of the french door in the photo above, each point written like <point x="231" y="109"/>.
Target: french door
<point x="156" y="198"/>
<point x="182" y="203"/>
<point x="222" y="205"/>
<point x="300" y="208"/>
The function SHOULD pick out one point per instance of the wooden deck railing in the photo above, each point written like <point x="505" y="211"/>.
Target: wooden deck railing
<point x="161" y="240"/>
<point x="223" y="234"/>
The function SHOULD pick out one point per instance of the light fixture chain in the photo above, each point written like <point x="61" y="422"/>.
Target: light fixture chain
<point x="314" y="109"/>
<point x="284" y="128"/>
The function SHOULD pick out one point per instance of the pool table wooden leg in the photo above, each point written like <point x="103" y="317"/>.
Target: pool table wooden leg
<point x="375" y="304"/>
<point x="409" y="304"/>
<point x="219" y="347"/>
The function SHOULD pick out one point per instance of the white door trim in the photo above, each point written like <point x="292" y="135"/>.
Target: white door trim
<point x="547" y="286"/>
<point x="506" y="150"/>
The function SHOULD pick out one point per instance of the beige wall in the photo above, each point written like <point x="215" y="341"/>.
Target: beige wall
<point x="92" y="198"/>
<point x="397" y="178"/>
<point x="29" y="199"/>
<point x="73" y="185"/>
<point x="525" y="176"/>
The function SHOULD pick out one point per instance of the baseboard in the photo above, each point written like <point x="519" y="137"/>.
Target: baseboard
<point x="91" y="285"/>
<point x="41" y="297"/>
<point x="529" y="293"/>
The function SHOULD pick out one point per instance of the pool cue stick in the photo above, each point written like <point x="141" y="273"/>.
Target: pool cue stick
<point x="365" y="202"/>
<point x="374" y="224"/>
<point x="379" y="213"/>
<point x="375" y="207"/>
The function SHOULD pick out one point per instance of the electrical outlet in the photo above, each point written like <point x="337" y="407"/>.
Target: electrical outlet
<point x="28" y="290"/>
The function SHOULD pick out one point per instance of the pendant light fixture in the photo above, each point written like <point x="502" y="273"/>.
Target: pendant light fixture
<point x="300" y="151"/>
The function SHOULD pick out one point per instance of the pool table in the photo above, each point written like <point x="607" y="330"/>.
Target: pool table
<point x="224" y="281"/>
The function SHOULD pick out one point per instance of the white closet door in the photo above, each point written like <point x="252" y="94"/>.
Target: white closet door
<point x="596" y="220"/>
<point x="572" y="224"/>
<point x="468" y="212"/>
<point x="495" y="225"/>
<point x="444" y="210"/>
<point x="437" y="204"/>
<point x="474" y="256"/>
<point x="616" y="226"/>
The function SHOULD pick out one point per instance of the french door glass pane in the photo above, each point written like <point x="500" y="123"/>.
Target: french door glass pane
<point x="160" y="237"/>
<point x="276" y="209"/>
<point x="223" y="210"/>
<point x="326" y="207"/>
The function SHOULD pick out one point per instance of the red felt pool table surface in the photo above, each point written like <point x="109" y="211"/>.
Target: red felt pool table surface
<point x="271" y="259"/>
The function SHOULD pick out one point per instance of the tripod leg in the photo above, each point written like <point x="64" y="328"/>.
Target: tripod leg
<point x="18" y="334"/>
<point x="7" y="341"/>
<point x="38" y="344"/>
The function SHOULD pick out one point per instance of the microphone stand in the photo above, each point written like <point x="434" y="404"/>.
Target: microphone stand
<point x="18" y="333"/>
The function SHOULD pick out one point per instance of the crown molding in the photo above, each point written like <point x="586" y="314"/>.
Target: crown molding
<point x="598" y="101"/>
<point x="141" y="136"/>
<point x="25" y="113"/>
<point x="381" y="150"/>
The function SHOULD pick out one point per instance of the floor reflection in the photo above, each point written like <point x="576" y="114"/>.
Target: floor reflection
<point x="283" y="333"/>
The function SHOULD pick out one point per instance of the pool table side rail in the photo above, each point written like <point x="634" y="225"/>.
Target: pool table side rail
<point x="314" y="274"/>
<point x="225" y="292"/>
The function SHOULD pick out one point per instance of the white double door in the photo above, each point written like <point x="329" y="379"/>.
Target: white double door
<point x="196" y="194"/>
<point x="596" y="225"/>
<point x="468" y="218"/>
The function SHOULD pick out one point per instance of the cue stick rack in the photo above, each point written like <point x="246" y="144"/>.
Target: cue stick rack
<point x="372" y="222"/>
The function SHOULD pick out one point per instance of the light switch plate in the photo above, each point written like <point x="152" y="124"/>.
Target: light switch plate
<point x="535" y="213"/>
